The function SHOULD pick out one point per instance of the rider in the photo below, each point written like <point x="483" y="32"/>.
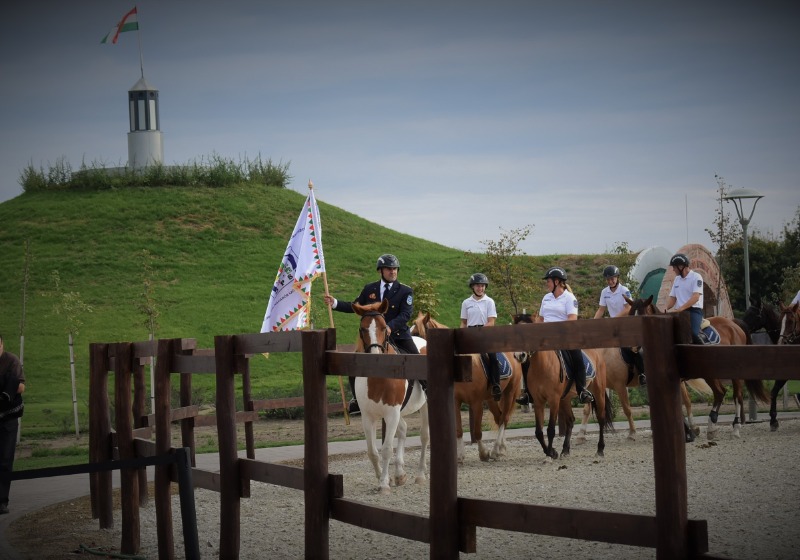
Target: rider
<point x="612" y="298"/>
<point x="479" y="310"/>
<point x="401" y="303"/>
<point x="559" y="304"/>
<point x="687" y="293"/>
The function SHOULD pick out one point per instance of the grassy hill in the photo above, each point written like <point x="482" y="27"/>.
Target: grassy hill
<point x="212" y="256"/>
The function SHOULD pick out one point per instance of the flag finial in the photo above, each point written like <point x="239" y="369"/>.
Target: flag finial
<point x="310" y="185"/>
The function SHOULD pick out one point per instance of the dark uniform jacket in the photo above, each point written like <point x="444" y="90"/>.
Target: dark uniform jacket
<point x="10" y="378"/>
<point x="401" y="304"/>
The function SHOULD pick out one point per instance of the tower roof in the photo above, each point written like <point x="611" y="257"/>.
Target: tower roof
<point x="142" y="85"/>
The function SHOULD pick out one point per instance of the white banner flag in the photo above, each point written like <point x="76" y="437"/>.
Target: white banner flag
<point x="289" y="304"/>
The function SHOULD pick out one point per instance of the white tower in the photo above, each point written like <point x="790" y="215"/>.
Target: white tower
<point x="144" y="140"/>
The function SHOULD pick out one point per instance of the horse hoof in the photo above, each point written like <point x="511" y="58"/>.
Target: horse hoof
<point x="580" y="440"/>
<point x="385" y="490"/>
<point x="400" y="480"/>
<point x="420" y="479"/>
<point x="632" y="437"/>
<point x="773" y="426"/>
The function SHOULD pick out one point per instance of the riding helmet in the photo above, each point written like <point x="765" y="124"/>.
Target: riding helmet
<point x="388" y="261"/>
<point x="610" y="271"/>
<point x="556" y="272"/>
<point x="679" y="259"/>
<point x="478" y="278"/>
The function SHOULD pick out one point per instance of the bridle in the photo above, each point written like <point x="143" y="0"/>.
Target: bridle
<point x="384" y="348"/>
<point x="794" y="336"/>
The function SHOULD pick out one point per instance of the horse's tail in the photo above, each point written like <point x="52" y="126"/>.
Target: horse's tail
<point x="700" y="386"/>
<point x="757" y="390"/>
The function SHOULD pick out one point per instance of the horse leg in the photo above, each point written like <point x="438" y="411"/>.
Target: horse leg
<point x="581" y="437"/>
<point x="600" y="411"/>
<point x="569" y="423"/>
<point x="392" y="420"/>
<point x="539" y="412"/>
<point x="424" y="437"/>
<point x="773" y="403"/>
<point x="459" y="434"/>
<point x="624" y="400"/>
<point x="738" y="408"/>
<point x="372" y="449"/>
<point x="687" y="403"/>
<point x="498" y="448"/>
<point x="551" y="433"/>
<point x="719" y="394"/>
<point x="476" y="430"/>
<point x="399" y="455"/>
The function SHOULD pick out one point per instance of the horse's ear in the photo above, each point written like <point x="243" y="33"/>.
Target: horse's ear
<point x="384" y="306"/>
<point x="427" y="316"/>
<point x="628" y="300"/>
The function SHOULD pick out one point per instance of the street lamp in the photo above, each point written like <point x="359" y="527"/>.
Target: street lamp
<point x="740" y="197"/>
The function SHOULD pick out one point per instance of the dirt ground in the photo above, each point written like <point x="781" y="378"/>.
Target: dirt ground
<point x="76" y="531"/>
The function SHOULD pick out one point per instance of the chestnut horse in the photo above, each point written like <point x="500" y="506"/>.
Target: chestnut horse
<point x="383" y="399"/>
<point x="475" y="392"/>
<point x="730" y="333"/>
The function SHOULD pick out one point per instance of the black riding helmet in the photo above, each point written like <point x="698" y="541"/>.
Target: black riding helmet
<point x="610" y="271"/>
<point x="478" y="278"/>
<point x="556" y="272"/>
<point x="387" y="261"/>
<point x="679" y="259"/>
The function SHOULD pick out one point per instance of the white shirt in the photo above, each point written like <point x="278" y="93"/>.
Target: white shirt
<point x="683" y="288"/>
<point x="558" y="308"/>
<point x="478" y="311"/>
<point x="613" y="301"/>
<point x="796" y="299"/>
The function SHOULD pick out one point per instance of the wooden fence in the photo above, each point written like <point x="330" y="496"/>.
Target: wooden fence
<point x="668" y="356"/>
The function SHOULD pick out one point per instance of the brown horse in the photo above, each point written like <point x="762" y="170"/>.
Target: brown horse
<point x="475" y="392"/>
<point x="790" y="324"/>
<point x="730" y="333"/>
<point x="385" y="399"/>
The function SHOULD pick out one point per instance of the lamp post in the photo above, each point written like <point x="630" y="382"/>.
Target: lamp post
<point x="741" y="198"/>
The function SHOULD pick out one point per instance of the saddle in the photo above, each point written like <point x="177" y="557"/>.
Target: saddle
<point x="567" y="366"/>
<point x="708" y="334"/>
<point x="502" y="363"/>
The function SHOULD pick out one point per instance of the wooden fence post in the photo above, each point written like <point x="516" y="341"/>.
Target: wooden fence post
<point x="669" y="447"/>
<point x="140" y="410"/>
<point x="100" y="435"/>
<point x="229" y="508"/>
<point x="444" y="467"/>
<point x="129" y="482"/>
<point x="163" y="498"/>
<point x="315" y="423"/>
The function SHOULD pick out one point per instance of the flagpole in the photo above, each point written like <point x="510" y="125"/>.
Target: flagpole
<point x="330" y="320"/>
<point x="139" y="40"/>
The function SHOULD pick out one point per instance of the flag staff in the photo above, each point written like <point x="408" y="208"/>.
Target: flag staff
<point x="330" y="320"/>
<point x="139" y="40"/>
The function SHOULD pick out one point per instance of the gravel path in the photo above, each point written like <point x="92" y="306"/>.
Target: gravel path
<point x="747" y="489"/>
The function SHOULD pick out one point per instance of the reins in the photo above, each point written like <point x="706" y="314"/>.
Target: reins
<point x="384" y="348"/>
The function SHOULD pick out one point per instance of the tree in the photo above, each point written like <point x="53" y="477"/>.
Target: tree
<point x="503" y="264"/>
<point x="426" y="300"/>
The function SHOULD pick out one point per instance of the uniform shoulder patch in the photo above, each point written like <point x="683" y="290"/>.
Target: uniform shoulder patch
<point x="409" y="299"/>
<point x="700" y="283"/>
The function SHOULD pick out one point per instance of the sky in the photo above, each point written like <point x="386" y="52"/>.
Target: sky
<point x="598" y="123"/>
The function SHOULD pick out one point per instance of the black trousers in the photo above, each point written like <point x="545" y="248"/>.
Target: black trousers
<point x="578" y="368"/>
<point x="8" y="445"/>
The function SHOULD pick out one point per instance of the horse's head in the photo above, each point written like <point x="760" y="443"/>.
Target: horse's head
<point x="522" y="318"/>
<point x="790" y="324"/>
<point x="641" y="306"/>
<point x="372" y="332"/>
<point x="420" y="325"/>
<point x="763" y="315"/>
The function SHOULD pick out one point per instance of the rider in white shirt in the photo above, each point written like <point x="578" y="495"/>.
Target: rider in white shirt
<point x="687" y="293"/>
<point x="559" y="304"/>
<point x="612" y="298"/>
<point x="796" y="299"/>
<point x="479" y="310"/>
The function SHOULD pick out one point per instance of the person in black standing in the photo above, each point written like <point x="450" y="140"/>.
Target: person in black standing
<point x="401" y="304"/>
<point x="12" y="384"/>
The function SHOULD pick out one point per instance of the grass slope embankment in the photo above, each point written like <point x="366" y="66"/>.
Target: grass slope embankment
<point x="214" y="254"/>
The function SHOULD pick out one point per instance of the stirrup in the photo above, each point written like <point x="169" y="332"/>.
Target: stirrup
<point x="642" y="380"/>
<point x="497" y="392"/>
<point x="352" y="407"/>
<point x="524" y="399"/>
<point x="585" y="396"/>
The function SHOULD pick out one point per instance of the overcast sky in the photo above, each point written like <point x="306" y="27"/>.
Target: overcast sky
<point x="597" y="122"/>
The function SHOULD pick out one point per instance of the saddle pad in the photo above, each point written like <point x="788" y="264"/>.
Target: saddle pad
<point x="591" y="372"/>
<point x="711" y="334"/>
<point x="502" y="361"/>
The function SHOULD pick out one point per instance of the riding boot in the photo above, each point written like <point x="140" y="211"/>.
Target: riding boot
<point x="584" y="395"/>
<point x="494" y="377"/>
<point x="352" y="406"/>
<point x="642" y="380"/>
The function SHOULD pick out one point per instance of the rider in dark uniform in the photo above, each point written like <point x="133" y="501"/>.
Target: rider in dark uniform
<point x="401" y="304"/>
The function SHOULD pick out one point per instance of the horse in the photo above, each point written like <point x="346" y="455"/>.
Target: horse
<point x="763" y="315"/>
<point x="730" y="333"/>
<point x="475" y="392"/>
<point x="546" y="384"/>
<point x="383" y="399"/>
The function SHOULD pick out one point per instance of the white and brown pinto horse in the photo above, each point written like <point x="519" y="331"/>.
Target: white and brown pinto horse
<point x="384" y="399"/>
<point x="475" y="392"/>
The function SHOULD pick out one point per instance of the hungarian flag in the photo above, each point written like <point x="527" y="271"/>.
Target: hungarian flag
<point x="127" y="23"/>
<point x="289" y="304"/>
